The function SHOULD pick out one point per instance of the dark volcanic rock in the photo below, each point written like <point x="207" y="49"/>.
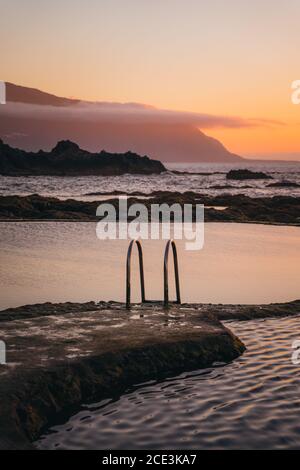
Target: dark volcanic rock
<point x="43" y="208"/>
<point x="236" y="208"/>
<point x="79" y="353"/>
<point x="247" y="175"/>
<point x="68" y="159"/>
<point x="72" y="357"/>
<point x="283" y="184"/>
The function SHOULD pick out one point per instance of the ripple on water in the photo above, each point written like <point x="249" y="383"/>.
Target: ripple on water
<point x="254" y="402"/>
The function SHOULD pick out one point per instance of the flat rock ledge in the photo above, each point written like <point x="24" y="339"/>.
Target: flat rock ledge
<point x="60" y="355"/>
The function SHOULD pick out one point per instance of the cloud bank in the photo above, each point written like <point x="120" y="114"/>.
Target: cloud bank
<point x="129" y="113"/>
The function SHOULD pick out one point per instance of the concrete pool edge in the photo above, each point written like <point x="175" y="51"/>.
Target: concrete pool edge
<point x="154" y="345"/>
<point x="27" y="414"/>
<point x="38" y="386"/>
<point x="219" y="311"/>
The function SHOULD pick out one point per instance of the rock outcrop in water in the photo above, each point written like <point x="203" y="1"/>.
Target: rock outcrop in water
<point x="283" y="184"/>
<point x="234" y="208"/>
<point x="68" y="159"/>
<point x="245" y="174"/>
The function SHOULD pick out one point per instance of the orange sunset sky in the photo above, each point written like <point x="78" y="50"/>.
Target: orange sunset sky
<point x="229" y="58"/>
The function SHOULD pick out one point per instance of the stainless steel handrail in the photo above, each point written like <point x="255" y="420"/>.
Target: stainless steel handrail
<point x="142" y="279"/>
<point x="128" y="272"/>
<point x="166" y="276"/>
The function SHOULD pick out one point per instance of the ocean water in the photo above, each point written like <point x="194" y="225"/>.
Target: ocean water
<point x="82" y="187"/>
<point x="252" y="403"/>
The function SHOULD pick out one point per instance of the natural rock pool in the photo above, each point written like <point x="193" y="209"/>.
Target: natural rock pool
<point x="64" y="261"/>
<point x="250" y="403"/>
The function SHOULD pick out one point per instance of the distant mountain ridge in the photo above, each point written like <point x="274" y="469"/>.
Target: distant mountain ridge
<point x="32" y="119"/>
<point x="22" y="94"/>
<point x="68" y="159"/>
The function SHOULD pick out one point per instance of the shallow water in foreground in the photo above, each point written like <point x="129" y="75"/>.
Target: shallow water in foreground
<point x="252" y="403"/>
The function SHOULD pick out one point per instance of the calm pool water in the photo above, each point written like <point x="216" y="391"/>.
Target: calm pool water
<point x="252" y="403"/>
<point x="58" y="261"/>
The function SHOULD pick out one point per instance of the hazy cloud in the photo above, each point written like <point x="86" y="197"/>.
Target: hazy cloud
<point x="129" y="113"/>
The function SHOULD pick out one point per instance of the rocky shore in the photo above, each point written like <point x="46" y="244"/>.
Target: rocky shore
<point x="68" y="159"/>
<point x="225" y="208"/>
<point x="60" y="355"/>
<point x="244" y="174"/>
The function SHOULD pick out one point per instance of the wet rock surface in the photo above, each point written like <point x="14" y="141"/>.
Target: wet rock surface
<point x="245" y="174"/>
<point x="283" y="184"/>
<point x="236" y="208"/>
<point x="59" y="355"/>
<point x="64" y="354"/>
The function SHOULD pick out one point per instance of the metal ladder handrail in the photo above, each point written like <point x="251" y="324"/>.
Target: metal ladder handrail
<point x="166" y="276"/>
<point x="128" y="272"/>
<point x="142" y="279"/>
